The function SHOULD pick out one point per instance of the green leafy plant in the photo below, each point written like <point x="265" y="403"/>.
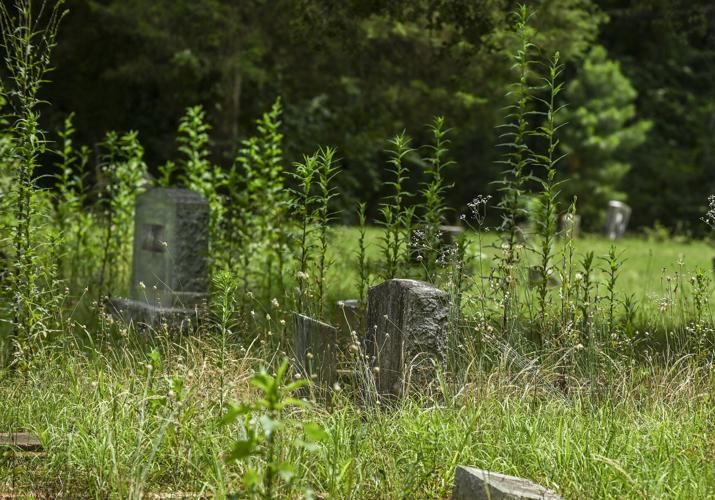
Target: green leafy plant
<point x="28" y="41"/>
<point x="396" y="214"/>
<point x="126" y="176"/>
<point x="612" y="266"/>
<point x="433" y="195"/>
<point x="74" y="223"/>
<point x="547" y="201"/>
<point x="260" y="203"/>
<point x="199" y="174"/>
<point x="263" y="427"/>
<point x="517" y="160"/>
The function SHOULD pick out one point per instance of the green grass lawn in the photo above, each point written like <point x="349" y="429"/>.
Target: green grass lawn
<point x="115" y="428"/>
<point x="650" y="268"/>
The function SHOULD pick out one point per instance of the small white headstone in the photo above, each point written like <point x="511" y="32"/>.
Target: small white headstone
<point x="617" y="219"/>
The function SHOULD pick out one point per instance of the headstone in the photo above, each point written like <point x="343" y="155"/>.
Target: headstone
<point x="314" y="349"/>
<point x="405" y="334"/>
<point x="170" y="261"/>
<point x="476" y="484"/>
<point x="570" y="226"/>
<point x="21" y="441"/>
<point x="617" y="219"/>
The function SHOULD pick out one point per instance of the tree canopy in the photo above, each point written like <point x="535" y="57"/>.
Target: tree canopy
<point x="640" y="79"/>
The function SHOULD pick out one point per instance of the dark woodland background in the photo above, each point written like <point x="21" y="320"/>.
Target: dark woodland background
<point x="352" y="73"/>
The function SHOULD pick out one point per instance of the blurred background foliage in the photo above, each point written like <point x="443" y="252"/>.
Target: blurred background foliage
<point x="352" y="73"/>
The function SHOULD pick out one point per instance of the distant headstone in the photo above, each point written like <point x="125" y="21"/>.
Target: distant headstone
<point x="314" y="349"/>
<point x="170" y="261"/>
<point x="570" y="226"/>
<point x="617" y="219"/>
<point x="405" y="334"/>
<point x="476" y="484"/>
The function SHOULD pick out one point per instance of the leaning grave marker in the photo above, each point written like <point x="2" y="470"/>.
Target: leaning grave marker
<point x="170" y="262"/>
<point x="314" y="345"/>
<point x="405" y="334"/>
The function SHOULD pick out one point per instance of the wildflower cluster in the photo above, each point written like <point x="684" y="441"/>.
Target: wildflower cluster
<point x="710" y="215"/>
<point x="477" y="209"/>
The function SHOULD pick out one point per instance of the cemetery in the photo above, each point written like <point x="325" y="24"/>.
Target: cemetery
<point x="262" y="324"/>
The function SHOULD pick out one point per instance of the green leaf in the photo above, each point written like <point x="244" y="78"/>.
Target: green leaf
<point x="251" y="478"/>
<point x="314" y="432"/>
<point x="285" y="471"/>
<point x="269" y="424"/>
<point x="263" y="381"/>
<point x="234" y="412"/>
<point x="241" y="450"/>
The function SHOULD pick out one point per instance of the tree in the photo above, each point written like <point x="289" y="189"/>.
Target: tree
<point x="601" y="128"/>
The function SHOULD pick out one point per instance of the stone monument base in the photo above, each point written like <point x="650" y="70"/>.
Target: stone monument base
<point x="142" y="314"/>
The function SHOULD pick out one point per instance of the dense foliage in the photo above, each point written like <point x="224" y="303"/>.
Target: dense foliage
<point x="354" y="73"/>
<point x="556" y="357"/>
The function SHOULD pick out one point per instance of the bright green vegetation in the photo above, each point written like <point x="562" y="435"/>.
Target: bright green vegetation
<point x="648" y="263"/>
<point x="583" y="364"/>
<point x="113" y="428"/>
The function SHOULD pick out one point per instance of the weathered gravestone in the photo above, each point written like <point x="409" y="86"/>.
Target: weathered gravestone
<point x="314" y="345"/>
<point x="570" y="226"/>
<point x="617" y="219"/>
<point x="476" y="484"/>
<point x="170" y="261"/>
<point x="405" y="334"/>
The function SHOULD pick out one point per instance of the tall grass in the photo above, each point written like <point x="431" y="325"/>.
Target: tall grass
<point x="594" y="388"/>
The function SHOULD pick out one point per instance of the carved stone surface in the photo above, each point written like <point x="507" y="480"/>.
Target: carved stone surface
<point x="477" y="484"/>
<point x="314" y="350"/>
<point x="170" y="278"/>
<point x="405" y="334"/>
<point x="617" y="219"/>
<point x="570" y="226"/>
<point x="171" y="243"/>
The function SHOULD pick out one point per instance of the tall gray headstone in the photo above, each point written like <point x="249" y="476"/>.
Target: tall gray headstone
<point x="314" y="350"/>
<point x="617" y="219"/>
<point x="170" y="261"/>
<point x="477" y="484"/>
<point x="405" y="334"/>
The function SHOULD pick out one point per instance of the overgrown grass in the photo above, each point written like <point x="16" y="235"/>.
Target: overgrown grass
<point x="115" y="428"/>
<point x="600" y="386"/>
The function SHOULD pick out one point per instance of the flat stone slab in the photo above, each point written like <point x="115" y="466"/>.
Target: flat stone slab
<point x="23" y="441"/>
<point x="141" y="313"/>
<point x="471" y="483"/>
